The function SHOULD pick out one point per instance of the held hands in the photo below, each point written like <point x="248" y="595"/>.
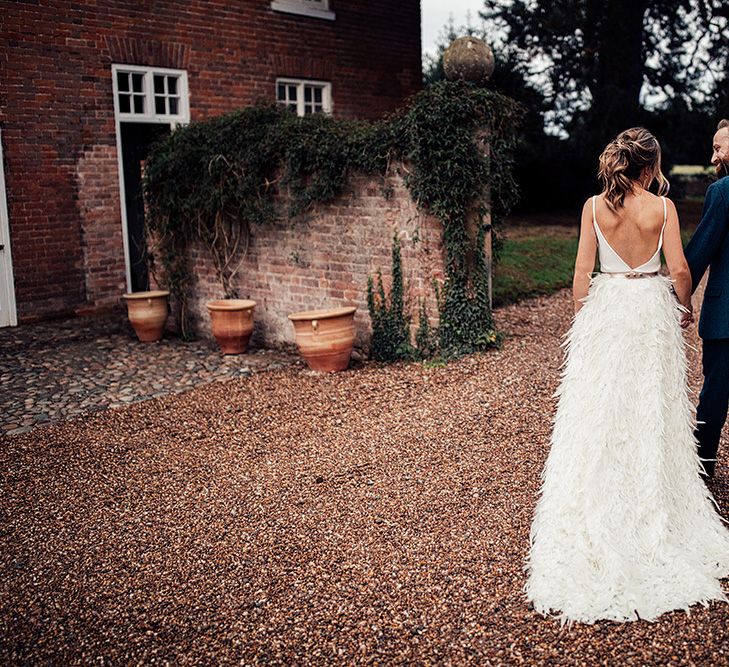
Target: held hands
<point x="687" y="317"/>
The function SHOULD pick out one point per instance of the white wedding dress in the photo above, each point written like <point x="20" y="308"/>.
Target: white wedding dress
<point x="624" y="527"/>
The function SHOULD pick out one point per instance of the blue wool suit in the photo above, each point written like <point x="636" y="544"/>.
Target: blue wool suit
<point x="709" y="247"/>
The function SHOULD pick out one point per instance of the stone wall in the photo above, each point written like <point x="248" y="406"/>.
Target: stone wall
<point x="324" y="261"/>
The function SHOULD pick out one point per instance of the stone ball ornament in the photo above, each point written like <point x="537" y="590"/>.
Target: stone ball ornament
<point x="470" y="59"/>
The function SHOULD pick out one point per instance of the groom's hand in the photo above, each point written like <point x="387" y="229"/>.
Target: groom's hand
<point x="687" y="318"/>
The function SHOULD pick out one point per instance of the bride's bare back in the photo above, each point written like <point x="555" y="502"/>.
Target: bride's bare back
<point x="633" y="231"/>
<point x="633" y="234"/>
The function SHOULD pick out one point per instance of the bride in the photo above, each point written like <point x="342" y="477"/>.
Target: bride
<point x="624" y="528"/>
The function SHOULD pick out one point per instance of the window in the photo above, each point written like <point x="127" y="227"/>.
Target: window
<point x="316" y="8"/>
<point x="131" y="92"/>
<point x="166" y="95"/>
<point x="153" y="95"/>
<point x="304" y="97"/>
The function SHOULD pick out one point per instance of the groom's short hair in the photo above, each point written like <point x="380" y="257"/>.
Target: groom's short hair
<point x="722" y="124"/>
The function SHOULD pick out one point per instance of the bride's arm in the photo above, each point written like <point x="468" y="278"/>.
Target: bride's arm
<point x="585" y="260"/>
<point x="675" y="259"/>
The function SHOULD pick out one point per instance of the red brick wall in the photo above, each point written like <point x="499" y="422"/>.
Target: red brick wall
<point x="56" y="108"/>
<point x="325" y="261"/>
<point x="98" y="201"/>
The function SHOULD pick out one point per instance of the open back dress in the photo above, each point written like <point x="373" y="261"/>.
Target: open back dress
<point x="624" y="527"/>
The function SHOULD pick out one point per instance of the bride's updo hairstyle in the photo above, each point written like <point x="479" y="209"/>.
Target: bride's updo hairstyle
<point x="633" y="155"/>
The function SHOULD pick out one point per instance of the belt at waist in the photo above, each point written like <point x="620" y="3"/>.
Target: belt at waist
<point x="629" y="274"/>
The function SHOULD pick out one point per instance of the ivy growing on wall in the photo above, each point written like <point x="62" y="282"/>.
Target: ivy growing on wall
<point x="390" y="321"/>
<point x="211" y="181"/>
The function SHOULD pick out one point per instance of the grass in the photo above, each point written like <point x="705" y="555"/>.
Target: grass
<point x="691" y="170"/>
<point x="535" y="262"/>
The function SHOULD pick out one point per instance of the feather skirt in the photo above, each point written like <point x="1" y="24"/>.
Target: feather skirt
<point x="624" y="528"/>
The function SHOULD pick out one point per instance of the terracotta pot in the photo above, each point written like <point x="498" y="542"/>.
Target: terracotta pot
<point x="232" y="321"/>
<point x="148" y="313"/>
<point x="325" y="337"/>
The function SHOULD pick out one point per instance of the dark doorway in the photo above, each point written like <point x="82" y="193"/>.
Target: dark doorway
<point x="136" y="138"/>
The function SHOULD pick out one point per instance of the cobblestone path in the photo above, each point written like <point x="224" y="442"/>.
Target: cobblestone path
<point x="59" y="369"/>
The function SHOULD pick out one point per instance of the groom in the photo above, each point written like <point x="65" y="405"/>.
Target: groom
<point x="709" y="247"/>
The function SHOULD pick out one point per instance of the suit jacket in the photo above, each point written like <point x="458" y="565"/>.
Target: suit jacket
<point x="709" y="247"/>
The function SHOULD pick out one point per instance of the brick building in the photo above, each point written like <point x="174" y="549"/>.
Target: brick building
<point x="85" y="88"/>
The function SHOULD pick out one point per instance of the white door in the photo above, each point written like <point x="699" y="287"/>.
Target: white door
<point x="7" y="289"/>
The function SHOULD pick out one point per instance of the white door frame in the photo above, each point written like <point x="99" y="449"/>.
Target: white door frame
<point x="6" y="259"/>
<point x="182" y="118"/>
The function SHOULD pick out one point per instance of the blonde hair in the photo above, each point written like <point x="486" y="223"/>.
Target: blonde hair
<point x="625" y="160"/>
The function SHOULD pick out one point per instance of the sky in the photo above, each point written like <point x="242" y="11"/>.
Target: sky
<point x="435" y="15"/>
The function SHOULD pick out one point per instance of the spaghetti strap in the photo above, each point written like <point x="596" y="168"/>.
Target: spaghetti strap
<point x="594" y="216"/>
<point x="665" y="219"/>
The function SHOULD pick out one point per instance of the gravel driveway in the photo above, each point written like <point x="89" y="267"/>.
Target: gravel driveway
<point x="378" y="516"/>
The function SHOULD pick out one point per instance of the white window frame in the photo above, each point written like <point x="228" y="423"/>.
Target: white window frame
<point x="326" y="95"/>
<point x="304" y="8"/>
<point x="6" y="258"/>
<point x="181" y="118"/>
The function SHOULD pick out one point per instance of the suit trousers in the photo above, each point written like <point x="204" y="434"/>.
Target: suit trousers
<point x="713" y="401"/>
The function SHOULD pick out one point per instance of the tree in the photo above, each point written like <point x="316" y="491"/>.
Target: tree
<point x="587" y="69"/>
<point x="599" y="61"/>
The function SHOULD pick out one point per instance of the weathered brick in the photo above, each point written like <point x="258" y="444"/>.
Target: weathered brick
<point x="56" y="107"/>
<point x="331" y="270"/>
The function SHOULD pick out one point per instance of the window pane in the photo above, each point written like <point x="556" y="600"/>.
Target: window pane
<point x="317" y="95"/>
<point x="307" y="93"/>
<point x="172" y="85"/>
<point x="125" y="105"/>
<point x="281" y="92"/>
<point x="159" y="84"/>
<point x="138" y="103"/>
<point x="174" y="105"/>
<point x="159" y="104"/>
<point x="318" y="107"/>
<point x="292" y="93"/>
<point x="137" y="82"/>
<point x="122" y="81"/>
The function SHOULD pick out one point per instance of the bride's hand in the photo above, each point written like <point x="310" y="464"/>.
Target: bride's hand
<point x="687" y="318"/>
